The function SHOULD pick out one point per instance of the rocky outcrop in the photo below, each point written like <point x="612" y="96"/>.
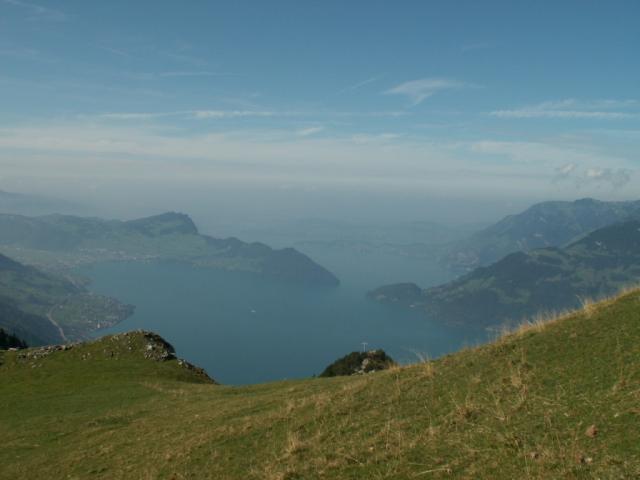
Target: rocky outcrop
<point x="148" y="345"/>
<point x="359" y="363"/>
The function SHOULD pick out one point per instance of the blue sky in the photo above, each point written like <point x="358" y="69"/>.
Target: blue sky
<point x="513" y="98"/>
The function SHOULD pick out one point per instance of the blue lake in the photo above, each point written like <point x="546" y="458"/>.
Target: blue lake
<point x="243" y="328"/>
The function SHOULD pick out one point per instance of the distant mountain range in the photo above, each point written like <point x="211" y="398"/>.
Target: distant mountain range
<point x="525" y="283"/>
<point x="41" y="308"/>
<point x="61" y="242"/>
<point x="547" y="224"/>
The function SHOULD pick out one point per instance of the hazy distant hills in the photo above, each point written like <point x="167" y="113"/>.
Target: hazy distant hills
<point x="547" y="224"/>
<point x="41" y="308"/>
<point x="315" y="231"/>
<point x="522" y="284"/>
<point x="24" y="204"/>
<point x="61" y="242"/>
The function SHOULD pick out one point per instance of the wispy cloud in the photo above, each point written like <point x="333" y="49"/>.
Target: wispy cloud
<point x="19" y="52"/>
<point x="544" y="153"/>
<point x="222" y="114"/>
<point x="615" y="177"/>
<point x="136" y="115"/>
<point x="115" y="51"/>
<point x="582" y="165"/>
<point x="91" y="150"/>
<point x="24" y="53"/>
<point x="359" y="85"/>
<point x="305" y="132"/>
<point x="195" y="74"/>
<point x="593" y="176"/>
<point x="234" y="113"/>
<point x="187" y="59"/>
<point x="38" y="12"/>
<point x="95" y="149"/>
<point x="197" y="114"/>
<point x="374" y="114"/>
<point x="565" y="171"/>
<point x="419" y="90"/>
<point x="364" y="138"/>
<point x="574" y="109"/>
<point x="146" y="76"/>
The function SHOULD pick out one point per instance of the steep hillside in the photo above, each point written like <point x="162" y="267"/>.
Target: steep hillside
<point x="34" y="329"/>
<point x="60" y="242"/>
<point x="547" y="224"/>
<point x="559" y="400"/>
<point x="523" y="284"/>
<point x="43" y="308"/>
<point x="8" y="340"/>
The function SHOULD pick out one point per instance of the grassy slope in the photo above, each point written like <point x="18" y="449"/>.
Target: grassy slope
<point x="517" y="408"/>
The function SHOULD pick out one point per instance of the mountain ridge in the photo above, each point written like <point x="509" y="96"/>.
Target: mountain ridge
<point x="525" y="284"/>
<point x="63" y="242"/>
<point x="545" y="224"/>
